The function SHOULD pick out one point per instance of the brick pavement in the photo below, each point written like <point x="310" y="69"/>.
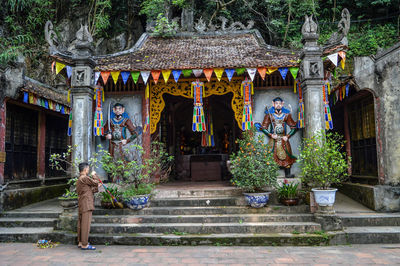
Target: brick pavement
<point x="29" y="254"/>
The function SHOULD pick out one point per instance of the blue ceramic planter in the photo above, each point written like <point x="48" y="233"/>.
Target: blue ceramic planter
<point x="138" y="202"/>
<point x="257" y="200"/>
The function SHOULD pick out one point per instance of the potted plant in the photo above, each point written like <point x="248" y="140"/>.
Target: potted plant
<point x="323" y="164"/>
<point x="253" y="168"/>
<point x="288" y="193"/>
<point x="137" y="197"/>
<point x="106" y="200"/>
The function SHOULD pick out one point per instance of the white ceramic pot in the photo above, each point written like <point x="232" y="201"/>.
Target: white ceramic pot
<point x="324" y="197"/>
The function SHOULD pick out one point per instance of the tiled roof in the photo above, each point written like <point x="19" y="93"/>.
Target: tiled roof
<point x="45" y="91"/>
<point x="199" y="51"/>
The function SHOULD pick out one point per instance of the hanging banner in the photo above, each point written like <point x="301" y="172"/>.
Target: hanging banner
<point x="283" y="71"/>
<point x="218" y="73"/>
<point x="98" y="126"/>
<point x="59" y="67"/>
<point x="96" y="77"/>
<point x="26" y="97"/>
<point x="125" y="75"/>
<point x="247" y="90"/>
<point x="240" y="71"/>
<point x="197" y="92"/>
<point x="115" y="75"/>
<point x="327" y="110"/>
<point x="69" y="132"/>
<point x="166" y="74"/>
<point x="342" y="55"/>
<point x="176" y="74"/>
<point x="271" y="70"/>
<point x="262" y="71"/>
<point x="252" y="72"/>
<point x="69" y="71"/>
<point x="135" y="76"/>
<point x="197" y="72"/>
<point x="208" y="72"/>
<point x="145" y="76"/>
<point x="207" y="137"/>
<point x="104" y="76"/>
<point x="294" y="71"/>
<point x="300" y="121"/>
<point x="147" y="118"/>
<point x="229" y="73"/>
<point x="347" y="89"/>
<point x="186" y="72"/>
<point x="333" y="58"/>
<point x="156" y="75"/>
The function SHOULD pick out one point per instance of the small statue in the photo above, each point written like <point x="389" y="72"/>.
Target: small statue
<point x="275" y="123"/>
<point x="309" y="26"/>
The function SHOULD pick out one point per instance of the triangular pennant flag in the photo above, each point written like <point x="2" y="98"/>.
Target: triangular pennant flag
<point x="156" y="75"/>
<point x="96" y="77"/>
<point x="270" y="70"/>
<point x="240" y="71"/>
<point x="283" y="71"/>
<point x="125" y="75"/>
<point x="208" y="72"/>
<point x="145" y="75"/>
<point x="104" y="76"/>
<point x="197" y="72"/>
<point x="166" y="74"/>
<point x="187" y="73"/>
<point x="252" y="72"/>
<point x="115" y="75"/>
<point x="262" y="71"/>
<point x="177" y="74"/>
<point x="135" y="76"/>
<point x="229" y="73"/>
<point x="69" y="71"/>
<point x="59" y="67"/>
<point x="218" y="73"/>
<point x="294" y="71"/>
<point x="333" y="58"/>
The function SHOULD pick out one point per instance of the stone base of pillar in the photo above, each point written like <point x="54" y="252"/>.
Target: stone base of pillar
<point x="328" y="219"/>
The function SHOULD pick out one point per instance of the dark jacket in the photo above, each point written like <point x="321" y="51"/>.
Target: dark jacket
<point x="85" y="187"/>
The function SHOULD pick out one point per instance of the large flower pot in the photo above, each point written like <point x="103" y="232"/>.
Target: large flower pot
<point x="290" y="202"/>
<point x="324" y="197"/>
<point x="137" y="202"/>
<point x="257" y="200"/>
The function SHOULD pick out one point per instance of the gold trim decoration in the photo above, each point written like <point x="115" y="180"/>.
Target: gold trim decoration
<point x="183" y="88"/>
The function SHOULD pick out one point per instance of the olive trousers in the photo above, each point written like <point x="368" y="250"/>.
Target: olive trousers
<point x="84" y="221"/>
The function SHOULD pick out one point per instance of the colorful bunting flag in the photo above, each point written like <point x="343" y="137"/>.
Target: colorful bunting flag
<point x="208" y="72"/>
<point x="69" y="71"/>
<point x="96" y="77"/>
<point x="197" y="72"/>
<point x="252" y="72"/>
<point x="26" y="97"/>
<point x="104" y="76"/>
<point x="197" y="92"/>
<point x="333" y="58"/>
<point x="218" y="73"/>
<point x="145" y="76"/>
<point x="283" y="71"/>
<point x="125" y="75"/>
<point x="156" y="75"/>
<point x="229" y="73"/>
<point x="240" y="71"/>
<point x="177" y="74"/>
<point x="294" y="71"/>
<point x="135" y="76"/>
<point x="115" y="75"/>
<point x="166" y="74"/>
<point x="247" y="90"/>
<point x="59" y="67"/>
<point x="271" y="70"/>
<point x="262" y="71"/>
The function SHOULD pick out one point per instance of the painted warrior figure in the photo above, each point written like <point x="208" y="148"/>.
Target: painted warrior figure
<point x="115" y="130"/>
<point x="275" y="124"/>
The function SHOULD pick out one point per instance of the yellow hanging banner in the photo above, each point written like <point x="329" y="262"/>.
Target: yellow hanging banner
<point x="59" y="67"/>
<point x="115" y="75"/>
<point x="166" y="74"/>
<point x="218" y="73"/>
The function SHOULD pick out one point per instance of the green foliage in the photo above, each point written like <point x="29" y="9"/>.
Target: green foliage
<point x="164" y="28"/>
<point x="287" y="190"/>
<point x="321" y="161"/>
<point x="98" y="17"/>
<point x="253" y="167"/>
<point x="141" y="189"/>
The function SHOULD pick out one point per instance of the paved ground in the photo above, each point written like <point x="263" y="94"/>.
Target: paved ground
<point x="29" y="254"/>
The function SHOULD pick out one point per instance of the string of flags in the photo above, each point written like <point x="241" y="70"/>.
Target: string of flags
<point x="45" y="103"/>
<point x="338" y="57"/>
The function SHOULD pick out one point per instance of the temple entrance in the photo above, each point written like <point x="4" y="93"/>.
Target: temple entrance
<point x="199" y="156"/>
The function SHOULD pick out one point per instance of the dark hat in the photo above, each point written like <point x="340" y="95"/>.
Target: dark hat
<point x="277" y="99"/>
<point x="118" y="105"/>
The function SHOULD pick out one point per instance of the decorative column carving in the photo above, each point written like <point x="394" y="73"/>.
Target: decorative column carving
<point x="311" y="77"/>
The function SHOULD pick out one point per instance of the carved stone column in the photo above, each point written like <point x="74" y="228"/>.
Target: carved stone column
<point x="311" y="77"/>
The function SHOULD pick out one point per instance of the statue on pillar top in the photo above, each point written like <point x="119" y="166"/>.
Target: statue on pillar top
<point x="276" y="121"/>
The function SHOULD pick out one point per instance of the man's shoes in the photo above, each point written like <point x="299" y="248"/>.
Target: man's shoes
<point x="89" y="247"/>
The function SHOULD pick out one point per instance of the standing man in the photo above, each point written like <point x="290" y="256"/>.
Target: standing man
<point x="85" y="187"/>
<point x="276" y="121"/>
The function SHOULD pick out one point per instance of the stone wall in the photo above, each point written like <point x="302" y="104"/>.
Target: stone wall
<point x="265" y="97"/>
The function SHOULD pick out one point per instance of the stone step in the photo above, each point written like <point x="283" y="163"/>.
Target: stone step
<point x="224" y="218"/>
<point x="166" y="193"/>
<point x="196" y="202"/>
<point x="28" y="214"/>
<point x="27" y="222"/>
<point x="207" y="228"/>
<point x="26" y="234"/>
<point x="206" y="210"/>
<point x="371" y="220"/>
<point x="372" y="234"/>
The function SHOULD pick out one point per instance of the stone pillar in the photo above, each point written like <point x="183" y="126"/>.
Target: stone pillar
<point x="311" y="78"/>
<point x="41" y="147"/>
